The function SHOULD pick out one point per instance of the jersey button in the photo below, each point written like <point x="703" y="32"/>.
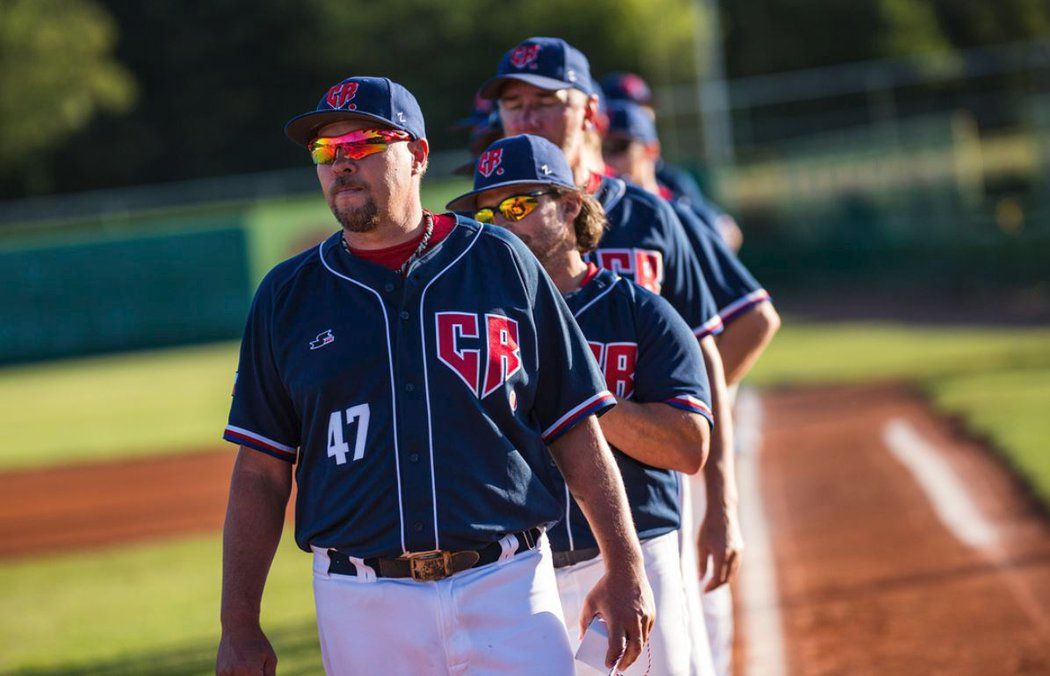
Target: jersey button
<point x="409" y="387"/>
<point x="388" y="287"/>
<point x="418" y="527"/>
<point x="414" y="457"/>
<point x="404" y="314"/>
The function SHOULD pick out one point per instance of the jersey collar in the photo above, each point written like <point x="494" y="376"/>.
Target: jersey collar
<point x="375" y="276"/>
<point x="583" y="297"/>
<point x="610" y="192"/>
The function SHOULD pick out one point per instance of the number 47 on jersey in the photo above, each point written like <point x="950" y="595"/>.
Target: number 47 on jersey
<point x="337" y="447"/>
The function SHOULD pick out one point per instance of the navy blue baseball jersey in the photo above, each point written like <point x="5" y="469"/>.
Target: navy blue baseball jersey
<point x="646" y="243"/>
<point x="679" y="181"/>
<point x="732" y="286"/>
<point x="418" y="410"/>
<point x="647" y="354"/>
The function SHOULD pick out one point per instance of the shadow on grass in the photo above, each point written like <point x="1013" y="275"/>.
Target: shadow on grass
<point x="298" y="652"/>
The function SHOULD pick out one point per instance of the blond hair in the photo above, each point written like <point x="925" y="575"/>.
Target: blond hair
<point x="589" y="224"/>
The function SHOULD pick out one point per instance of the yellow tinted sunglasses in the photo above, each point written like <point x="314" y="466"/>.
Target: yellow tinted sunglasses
<point x="513" y="208"/>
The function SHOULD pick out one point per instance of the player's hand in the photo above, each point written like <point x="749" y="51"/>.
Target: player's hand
<point x="624" y="600"/>
<point x="720" y="541"/>
<point x="244" y="651"/>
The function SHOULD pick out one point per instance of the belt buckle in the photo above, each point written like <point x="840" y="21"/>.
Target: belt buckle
<point x="430" y="566"/>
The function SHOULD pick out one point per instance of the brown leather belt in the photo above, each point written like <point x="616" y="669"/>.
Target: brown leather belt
<point x="434" y="565"/>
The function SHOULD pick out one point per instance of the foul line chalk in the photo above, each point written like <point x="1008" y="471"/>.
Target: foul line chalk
<point x="758" y="580"/>
<point x="946" y="492"/>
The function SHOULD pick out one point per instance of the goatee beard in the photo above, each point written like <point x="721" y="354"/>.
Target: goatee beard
<point x="362" y="219"/>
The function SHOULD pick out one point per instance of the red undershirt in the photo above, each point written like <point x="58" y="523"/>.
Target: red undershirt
<point x="592" y="272"/>
<point x="666" y="193"/>
<point x="393" y="257"/>
<point x="594" y="181"/>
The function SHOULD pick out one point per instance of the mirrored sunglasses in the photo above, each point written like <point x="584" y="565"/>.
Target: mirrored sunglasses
<point x="513" y="208"/>
<point x="355" y="145"/>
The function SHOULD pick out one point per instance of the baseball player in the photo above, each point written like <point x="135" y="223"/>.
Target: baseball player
<point x="749" y="319"/>
<point x="650" y="359"/>
<point x="632" y="149"/>
<point x="675" y="181"/>
<point x="418" y="372"/>
<point x="543" y="87"/>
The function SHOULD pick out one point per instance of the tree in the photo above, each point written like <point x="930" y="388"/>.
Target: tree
<point x="57" y="72"/>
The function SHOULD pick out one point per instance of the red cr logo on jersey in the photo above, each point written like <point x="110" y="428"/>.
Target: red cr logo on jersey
<point x="502" y="357"/>
<point x="524" y="55"/>
<point x="490" y="161"/>
<point x="617" y="361"/>
<point x="644" y="266"/>
<point x="341" y="95"/>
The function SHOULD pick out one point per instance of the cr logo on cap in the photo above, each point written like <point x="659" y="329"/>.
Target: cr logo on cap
<point x="490" y="161"/>
<point x="524" y="55"/>
<point x="341" y="95"/>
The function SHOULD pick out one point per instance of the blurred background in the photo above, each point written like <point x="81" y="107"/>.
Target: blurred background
<point x="888" y="162"/>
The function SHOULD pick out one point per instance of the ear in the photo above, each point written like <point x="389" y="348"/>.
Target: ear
<point x="571" y="205"/>
<point x="590" y="110"/>
<point x="420" y="151"/>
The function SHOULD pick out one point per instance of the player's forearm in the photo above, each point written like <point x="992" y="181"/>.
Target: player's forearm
<point x="719" y="472"/>
<point x="254" y="520"/>
<point x="587" y="463"/>
<point x="658" y="435"/>
<point x="743" y="340"/>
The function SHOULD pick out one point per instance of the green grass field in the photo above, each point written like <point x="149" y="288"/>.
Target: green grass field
<point x="143" y="609"/>
<point x="108" y="407"/>
<point x="154" y="608"/>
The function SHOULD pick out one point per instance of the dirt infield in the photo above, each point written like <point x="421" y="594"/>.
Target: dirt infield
<point x="91" y="505"/>
<point x="870" y="580"/>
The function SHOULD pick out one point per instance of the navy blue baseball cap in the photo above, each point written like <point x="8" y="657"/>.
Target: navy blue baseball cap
<point x="369" y="98"/>
<point x="627" y="87"/>
<point x="524" y="159"/>
<point x="630" y="120"/>
<point x="547" y="63"/>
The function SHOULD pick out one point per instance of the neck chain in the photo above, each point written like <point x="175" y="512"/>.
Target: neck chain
<point x="428" y="230"/>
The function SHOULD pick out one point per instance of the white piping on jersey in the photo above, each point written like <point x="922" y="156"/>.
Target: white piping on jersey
<point x="753" y="298"/>
<point x="255" y="436"/>
<point x="576" y="409"/>
<point x="393" y="387"/>
<point x="426" y="379"/>
<point x="568" y="499"/>
<point x="568" y="516"/>
<point x="596" y="298"/>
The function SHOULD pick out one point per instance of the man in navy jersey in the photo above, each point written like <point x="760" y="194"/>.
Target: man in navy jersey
<point x="419" y="372"/>
<point x="651" y="362"/>
<point x="675" y="180"/>
<point x="543" y="87"/>
<point x="632" y="149"/>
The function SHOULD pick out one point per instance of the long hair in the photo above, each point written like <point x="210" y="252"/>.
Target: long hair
<point x="589" y="224"/>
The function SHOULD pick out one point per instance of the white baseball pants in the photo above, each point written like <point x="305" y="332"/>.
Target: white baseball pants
<point x="668" y="651"/>
<point x="502" y="618"/>
<point x="712" y="627"/>
<point x="701" y="659"/>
